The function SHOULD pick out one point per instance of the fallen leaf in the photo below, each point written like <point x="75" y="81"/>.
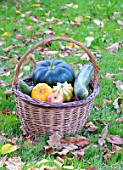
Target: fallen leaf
<point x="85" y="57"/>
<point x="2" y="139"/>
<point x="31" y="59"/>
<point x="71" y="147"/>
<point x="109" y="76"/>
<point x="119" y="120"/>
<point x="14" y="163"/>
<point x="8" y="148"/>
<point x="2" y="43"/>
<point x="28" y="13"/>
<point x="116" y="102"/>
<point x="120" y="22"/>
<point x="118" y="84"/>
<point x="47" y="168"/>
<point x="70" y="45"/>
<point x="78" y="140"/>
<point x="58" y="163"/>
<point x="35" y="19"/>
<point x="35" y="5"/>
<point x="42" y="161"/>
<point x="115" y="140"/>
<point x="113" y="47"/>
<point x="88" y="41"/>
<point x="8" y="48"/>
<point x="78" y="153"/>
<point x="6" y="34"/>
<point x="99" y="23"/>
<point x="27" y="142"/>
<point x="91" y="168"/>
<point x="75" y="6"/>
<point x="64" y="152"/>
<point x="54" y="140"/>
<point x="5" y="111"/>
<point x="78" y="20"/>
<point x="104" y="135"/>
<point x="91" y="127"/>
<point x="68" y="167"/>
<point x="33" y="169"/>
<point x="106" y="102"/>
<point x="19" y="36"/>
<point x="120" y="70"/>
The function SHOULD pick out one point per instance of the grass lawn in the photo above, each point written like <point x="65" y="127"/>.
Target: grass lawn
<point x="22" y="24"/>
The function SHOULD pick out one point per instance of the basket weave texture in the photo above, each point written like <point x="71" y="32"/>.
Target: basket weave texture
<point x="40" y="118"/>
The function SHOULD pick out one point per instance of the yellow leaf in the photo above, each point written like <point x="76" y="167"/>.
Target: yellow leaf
<point x="70" y="45"/>
<point x="62" y="34"/>
<point x="6" y="34"/>
<point x="76" y="46"/>
<point x="34" y="5"/>
<point x="75" y="6"/>
<point x="98" y="6"/>
<point x="8" y="148"/>
<point x="50" y="19"/>
<point x="17" y="12"/>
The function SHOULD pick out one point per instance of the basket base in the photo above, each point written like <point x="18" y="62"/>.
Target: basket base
<point x="45" y="121"/>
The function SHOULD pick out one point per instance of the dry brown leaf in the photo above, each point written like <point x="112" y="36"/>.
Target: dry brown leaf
<point x="19" y="36"/>
<point x="35" y="19"/>
<point x="115" y="147"/>
<point x="107" y="156"/>
<point x="8" y="48"/>
<point x="113" y="47"/>
<point x="47" y="168"/>
<point x="78" y="153"/>
<point x="88" y="41"/>
<point x="109" y="76"/>
<point x="119" y="120"/>
<point x="98" y="22"/>
<point x="104" y="135"/>
<point x="64" y="152"/>
<point x="116" y="102"/>
<point x="2" y="139"/>
<point x="2" y="43"/>
<point x="91" y="127"/>
<point x="120" y="22"/>
<point x="115" y="140"/>
<point x="118" y="84"/>
<point x="78" y="140"/>
<point x="54" y="140"/>
<point x="32" y="60"/>
<point x="85" y="57"/>
<point x="106" y="102"/>
<point x="91" y="168"/>
<point x="12" y="163"/>
<point x="120" y="70"/>
<point x="71" y="147"/>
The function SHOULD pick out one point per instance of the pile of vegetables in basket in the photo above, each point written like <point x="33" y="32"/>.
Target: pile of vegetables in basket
<point x="55" y="81"/>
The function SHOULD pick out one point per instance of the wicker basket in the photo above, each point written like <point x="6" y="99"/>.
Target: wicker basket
<point x="41" y="118"/>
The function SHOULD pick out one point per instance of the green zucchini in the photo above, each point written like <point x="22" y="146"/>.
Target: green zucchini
<point x="25" y="88"/>
<point x="82" y="81"/>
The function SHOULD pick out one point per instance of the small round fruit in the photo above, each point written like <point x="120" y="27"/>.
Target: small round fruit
<point x="55" y="98"/>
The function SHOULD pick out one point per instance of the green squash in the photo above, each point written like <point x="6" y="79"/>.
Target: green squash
<point x="82" y="81"/>
<point x="24" y="88"/>
<point x="53" y="71"/>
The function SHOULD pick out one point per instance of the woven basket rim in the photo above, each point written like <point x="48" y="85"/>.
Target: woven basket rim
<point x="76" y="103"/>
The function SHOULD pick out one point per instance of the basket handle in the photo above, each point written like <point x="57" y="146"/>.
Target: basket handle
<point x="95" y="80"/>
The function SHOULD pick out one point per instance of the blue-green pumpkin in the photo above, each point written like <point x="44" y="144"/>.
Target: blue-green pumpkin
<point x="53" y="71"/>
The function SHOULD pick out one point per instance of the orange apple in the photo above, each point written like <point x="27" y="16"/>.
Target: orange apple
<point x="55" y="97"/>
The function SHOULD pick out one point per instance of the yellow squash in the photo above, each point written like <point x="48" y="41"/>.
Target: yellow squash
<point x="41" y="91"/>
